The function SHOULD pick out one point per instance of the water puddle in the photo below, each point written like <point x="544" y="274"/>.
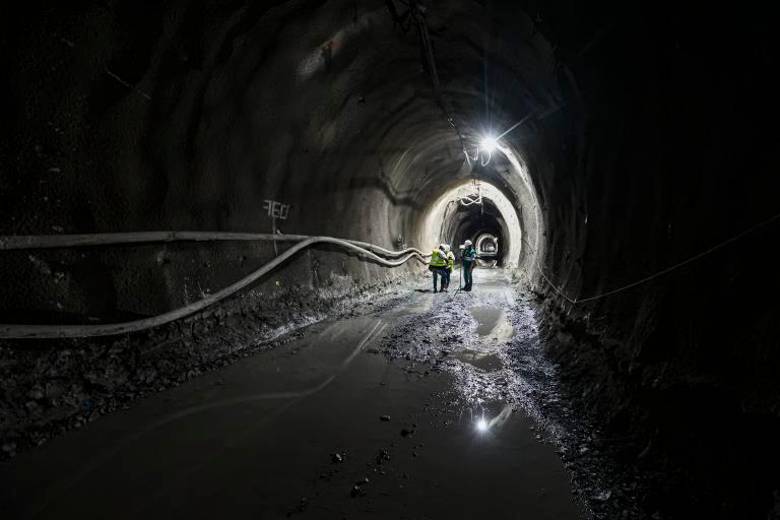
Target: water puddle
<point x="482" y="360"/>
<point x="487" y="318"/>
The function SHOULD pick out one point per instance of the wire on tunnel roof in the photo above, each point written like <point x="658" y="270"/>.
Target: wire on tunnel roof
<point x="657" y="274"/>
<point x="416" y="13"/>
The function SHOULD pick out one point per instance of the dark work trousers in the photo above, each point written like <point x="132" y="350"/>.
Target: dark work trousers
<point x="468" y="267"/>
<point x="439" y="271"/>
<point x="445" y="278"/>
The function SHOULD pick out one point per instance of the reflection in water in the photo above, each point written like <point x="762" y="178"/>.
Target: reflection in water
<point x="498" y="421"/>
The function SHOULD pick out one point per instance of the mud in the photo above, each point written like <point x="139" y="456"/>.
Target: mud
<point x="50" y="387"/>
<point x="489" y="342"/>
<point x="328" y="425"/>
<point x="484" y="358"/>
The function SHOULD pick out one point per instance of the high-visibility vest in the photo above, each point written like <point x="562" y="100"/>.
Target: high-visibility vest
<point x="437" y="259"/>
<point x="451" y="260"/>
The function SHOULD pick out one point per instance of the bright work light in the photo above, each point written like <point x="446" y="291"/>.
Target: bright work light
<point x="488" y="144"/>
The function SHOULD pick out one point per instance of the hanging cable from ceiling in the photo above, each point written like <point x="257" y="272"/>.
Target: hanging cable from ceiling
<point x="415" y="13"/>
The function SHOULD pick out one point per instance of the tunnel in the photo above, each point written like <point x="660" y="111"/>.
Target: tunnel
<point x="220" y="221"/>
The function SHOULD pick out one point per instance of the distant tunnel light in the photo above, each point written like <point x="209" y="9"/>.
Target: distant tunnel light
<point x="487" y="244"/>
<point x="482" y="425"/>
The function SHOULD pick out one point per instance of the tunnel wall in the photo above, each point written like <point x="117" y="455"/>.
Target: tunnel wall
<point x="199" y="116"/>
<point x="664" y="149"/>
<point x="186" y="117"/>
<point x="164" y="119"/>
<point x="662" y="152"/>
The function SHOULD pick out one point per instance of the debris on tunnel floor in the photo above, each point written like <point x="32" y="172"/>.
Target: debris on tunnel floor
<point x="351" y="464"/>
<point x="64" y="386"/>
<point x="448" y="336"/>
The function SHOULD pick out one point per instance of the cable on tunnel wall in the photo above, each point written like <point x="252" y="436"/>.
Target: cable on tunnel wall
<point x="23" y="331"/>
<point x="23" y="242"/>
<point x="662" y="272"/>
<point x="20" y="331"/>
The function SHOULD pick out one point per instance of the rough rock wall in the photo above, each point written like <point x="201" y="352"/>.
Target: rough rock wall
<point x="184" y="117"/>
<point x="674" y="155"/>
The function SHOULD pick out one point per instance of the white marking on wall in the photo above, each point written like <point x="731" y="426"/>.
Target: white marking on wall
<point x="276" y="209"/>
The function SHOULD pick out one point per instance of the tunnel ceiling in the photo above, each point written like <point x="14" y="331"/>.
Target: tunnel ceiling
<point x="188" y="116"/>
<point x="648" y="132"/>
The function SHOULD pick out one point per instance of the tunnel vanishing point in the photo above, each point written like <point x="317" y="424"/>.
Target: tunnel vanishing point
<point x="215" y="224"/>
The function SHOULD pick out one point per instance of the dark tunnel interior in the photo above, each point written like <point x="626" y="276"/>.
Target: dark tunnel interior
<point x="216" y="222"/>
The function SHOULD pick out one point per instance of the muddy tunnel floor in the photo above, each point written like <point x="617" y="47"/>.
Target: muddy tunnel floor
<point x="420" y="405"/>
<point x="432" y="408"/>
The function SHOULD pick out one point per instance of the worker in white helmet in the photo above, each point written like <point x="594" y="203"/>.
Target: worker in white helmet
<point x="469" y="259"/>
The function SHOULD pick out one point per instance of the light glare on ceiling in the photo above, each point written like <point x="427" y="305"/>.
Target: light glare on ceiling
<point x="488" y="144"/>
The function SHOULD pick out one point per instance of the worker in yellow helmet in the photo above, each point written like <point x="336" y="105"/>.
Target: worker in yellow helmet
<point x="438" y="266"/>
<point x="450" y="256"/>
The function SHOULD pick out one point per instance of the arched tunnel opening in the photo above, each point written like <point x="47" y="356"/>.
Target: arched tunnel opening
<point x="478" y="212"/>
<point x="220" y="221"/>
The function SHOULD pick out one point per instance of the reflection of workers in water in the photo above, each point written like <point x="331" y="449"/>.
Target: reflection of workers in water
<point x="450" y="267"/>
<point x="438" y="266"/>
<point x="469" y="258"/>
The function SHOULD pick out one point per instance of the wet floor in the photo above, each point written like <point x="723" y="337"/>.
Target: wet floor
<point x="493" y="327"/>
<point x="487" y="318"/>
<point x="326" y="426"/>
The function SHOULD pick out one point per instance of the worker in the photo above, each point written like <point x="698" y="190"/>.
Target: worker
<point x="450" y="267"/>
<point x="469" y="257"/>
<point x="438" y="265"/>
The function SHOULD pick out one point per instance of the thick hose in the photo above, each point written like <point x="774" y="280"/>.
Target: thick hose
<point x="25" y="242"/>
<point x="109" y="329"/>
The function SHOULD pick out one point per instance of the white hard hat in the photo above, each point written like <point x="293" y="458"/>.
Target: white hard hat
<point x="467" y="242"/>
<point x="443" y="247"/>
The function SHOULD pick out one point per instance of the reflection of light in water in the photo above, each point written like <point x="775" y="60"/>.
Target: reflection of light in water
<point x="484" y="425"/>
